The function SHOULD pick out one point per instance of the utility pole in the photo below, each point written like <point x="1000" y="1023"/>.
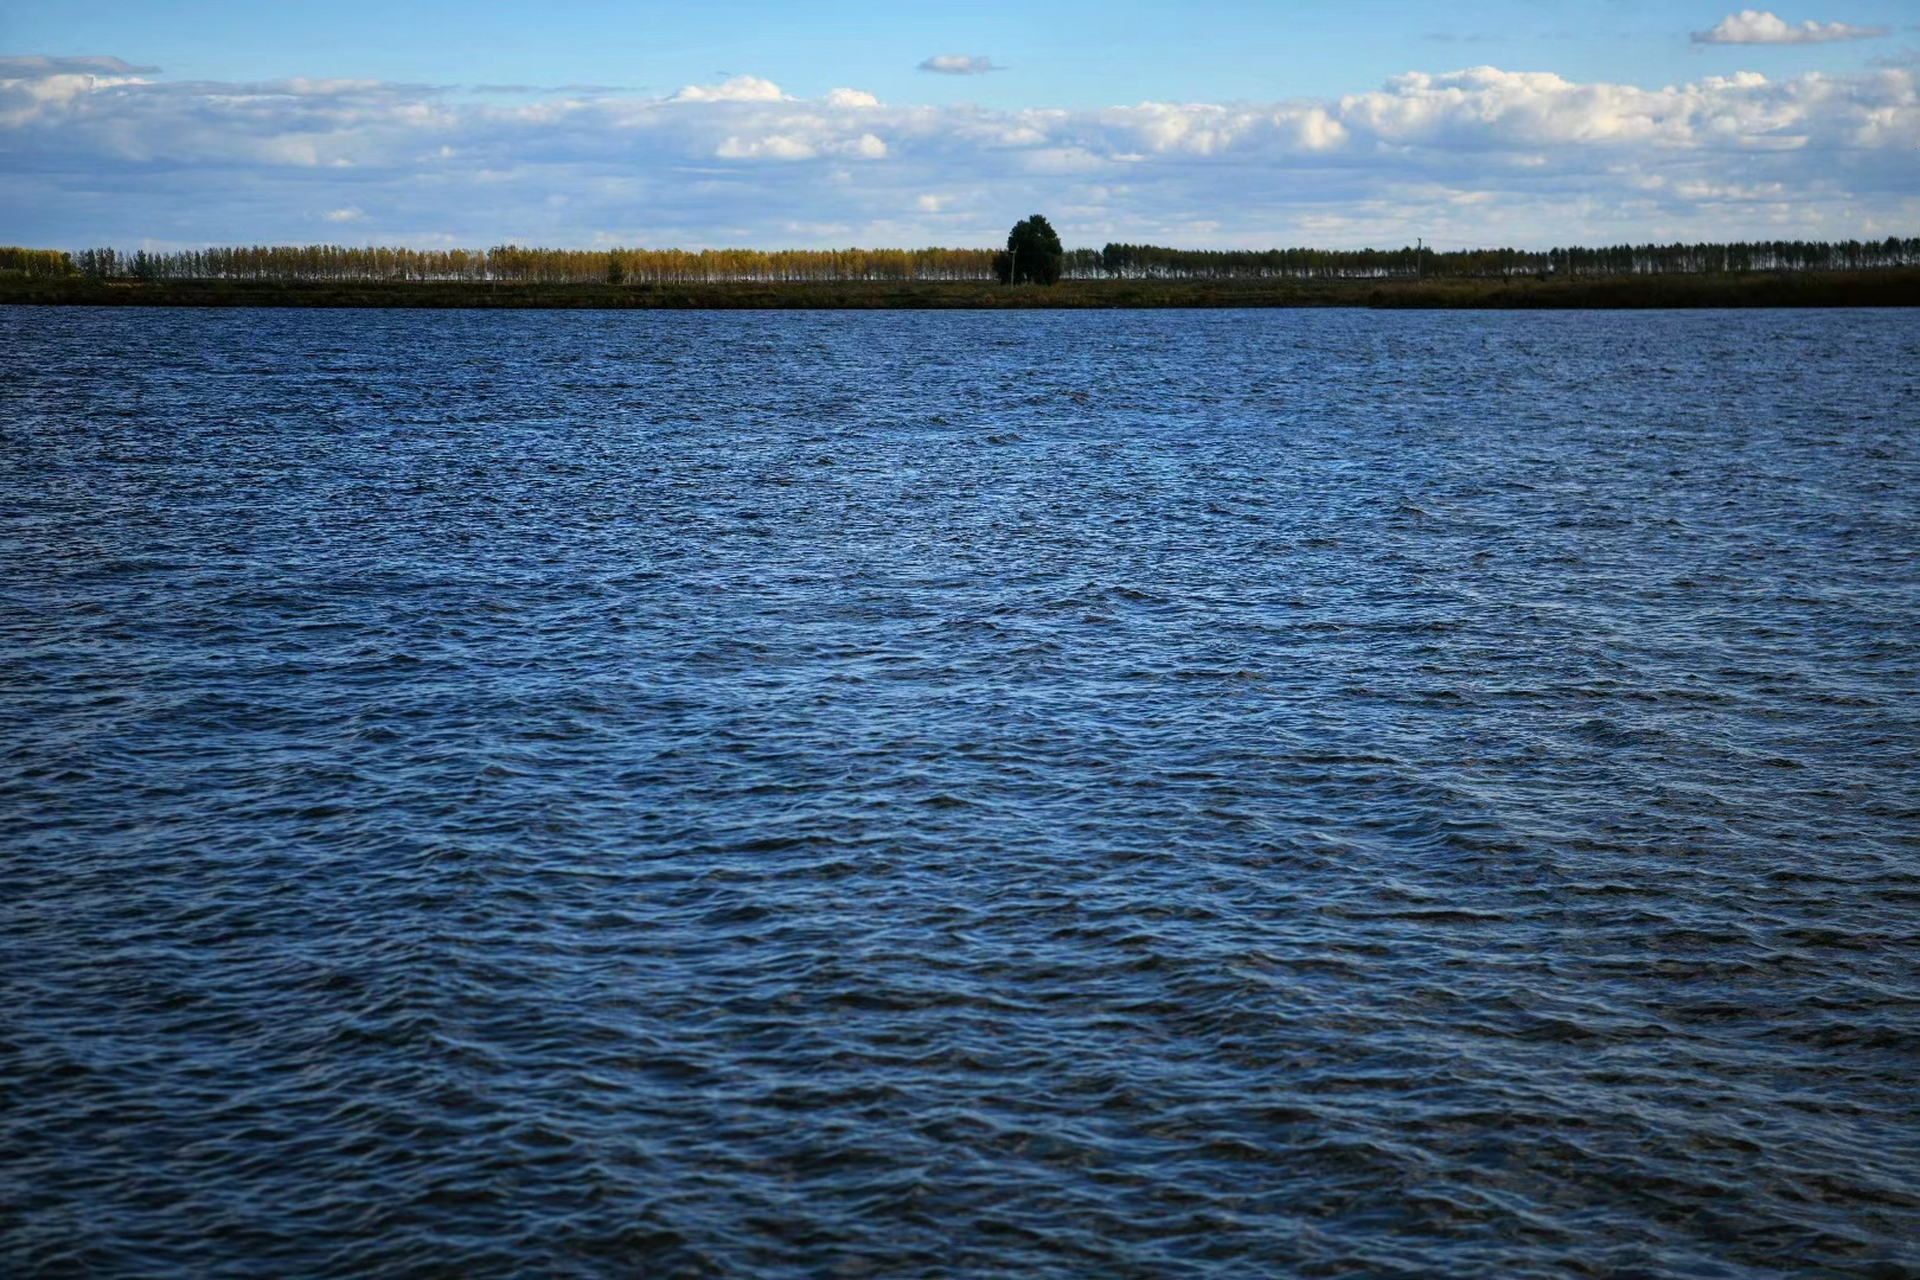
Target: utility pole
<point x="1418" y="244"/>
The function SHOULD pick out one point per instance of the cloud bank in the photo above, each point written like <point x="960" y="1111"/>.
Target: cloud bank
<point x="1478" y="156"/>
<point x="1757" y="26"/>
<point x="30" y="68"/>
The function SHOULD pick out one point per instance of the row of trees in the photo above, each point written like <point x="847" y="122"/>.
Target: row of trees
<point x="35" y="263"/>
<point x="1154" y="262"/>
<point x="675" y="265"/>
<point x="1042" y="257"/>
<point x="543" y="266"/>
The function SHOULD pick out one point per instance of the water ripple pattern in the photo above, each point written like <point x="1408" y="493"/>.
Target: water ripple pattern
<point x="808" y="794"/>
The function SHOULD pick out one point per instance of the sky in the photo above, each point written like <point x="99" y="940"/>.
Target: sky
<point x="737" y="122"/>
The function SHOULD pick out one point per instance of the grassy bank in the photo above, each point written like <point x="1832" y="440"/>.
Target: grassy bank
<point x="1892" y="287"/>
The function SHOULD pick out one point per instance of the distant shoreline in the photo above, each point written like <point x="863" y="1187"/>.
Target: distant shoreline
<point x="1884" y="287"/>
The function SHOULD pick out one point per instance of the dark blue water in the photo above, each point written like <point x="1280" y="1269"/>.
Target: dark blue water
<point x="1118" y="794"/>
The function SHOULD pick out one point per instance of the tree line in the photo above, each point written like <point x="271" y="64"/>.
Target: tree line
<point x="37" y="264"/>
<point x="514" y="263"/>
<point x="1142" y="261"/>
<point x="518" y="264"/>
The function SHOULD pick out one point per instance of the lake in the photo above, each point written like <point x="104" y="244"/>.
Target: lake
<point x="960" y="794"/>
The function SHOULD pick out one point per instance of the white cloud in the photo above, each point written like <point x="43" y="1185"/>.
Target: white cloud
<point x="955" y="64"/>
<point x="1481" y="155"/>
<point x="774" y="146"/>
<point x="1759" y="26"/>
<point x="737" y="89"/>
<point x="810" y="139"/>
<point x="28" y="84"/>
<point x="348" y="214"/>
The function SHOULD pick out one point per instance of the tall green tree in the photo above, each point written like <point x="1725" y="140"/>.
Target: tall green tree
<point x="1033" y="254"/>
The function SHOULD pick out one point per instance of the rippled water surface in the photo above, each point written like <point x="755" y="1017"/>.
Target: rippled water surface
<point x="1112" y="794"/>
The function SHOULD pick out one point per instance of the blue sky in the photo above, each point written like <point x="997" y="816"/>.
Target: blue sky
<point x="1067" y="53"/>
<point x="1364" y="122"/>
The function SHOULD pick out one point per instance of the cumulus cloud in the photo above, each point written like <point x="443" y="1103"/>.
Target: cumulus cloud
<point x="954" y="64"/>
<point x="737" y="89"/>
<point x="1481" y="155"/>
<point x="1759" y="26"/>
<point x="775" y="146"/>
<point x="560" y="88"/>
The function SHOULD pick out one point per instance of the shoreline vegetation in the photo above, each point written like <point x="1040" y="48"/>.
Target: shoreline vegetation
<point x="1776" y="274"/>
<point x="1894" y="287"/>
